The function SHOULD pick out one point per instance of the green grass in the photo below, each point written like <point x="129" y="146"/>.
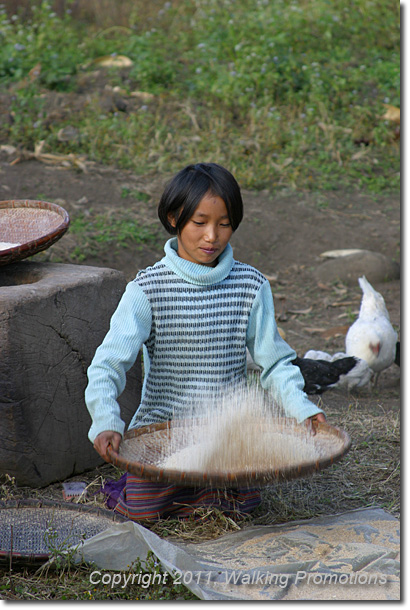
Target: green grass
<point x="143" y="581"/>
<point x="139" y="195"/>
<point x="94" y="232"/>
<point x="283" y="93"/>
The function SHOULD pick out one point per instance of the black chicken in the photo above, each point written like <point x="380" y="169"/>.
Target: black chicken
<point x="397" y="356"/>
<point x="321" y="375"/>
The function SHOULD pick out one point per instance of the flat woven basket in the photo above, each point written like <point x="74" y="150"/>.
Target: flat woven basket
<point x="31" y="226"/>
<point x="30" y="529"/>
<point x="143" y="449"/>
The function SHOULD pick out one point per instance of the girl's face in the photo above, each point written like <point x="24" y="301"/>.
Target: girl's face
<point x="207" y="233"/>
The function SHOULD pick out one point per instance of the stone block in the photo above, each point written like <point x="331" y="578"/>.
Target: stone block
<point x="375" y="266"/>
<point x="52" y="319"/>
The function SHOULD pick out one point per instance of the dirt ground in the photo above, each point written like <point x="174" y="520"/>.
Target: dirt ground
<point x="282" y="234"/>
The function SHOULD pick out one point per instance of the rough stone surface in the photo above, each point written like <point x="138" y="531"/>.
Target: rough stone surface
<point x="375" y="266"/>
<point x="52" y="319"/>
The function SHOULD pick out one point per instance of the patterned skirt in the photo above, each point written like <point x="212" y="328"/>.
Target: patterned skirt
<point x="141" y="499"/>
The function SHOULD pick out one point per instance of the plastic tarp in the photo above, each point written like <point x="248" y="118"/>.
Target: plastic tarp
<point x="351" y="556"/>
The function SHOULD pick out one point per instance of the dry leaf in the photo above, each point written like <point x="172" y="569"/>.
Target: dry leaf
<point x="335" y="331"/>
<point x="327" y="128"/>
<point x="339" y="253"/>
<point x="314" y="330"/>
<point x="340" y="290"/>
<point x="68" y="133"/>
<point x="342" y="303"/>
<point x="32" y="76"/>
<point x="359" y="154"/>
<point x="34" y="73"/>
<point x="287" y="162"/>
<point x="54" y="159"/>
<point x="116" y="89"/>
<point x="8" y="148"/>
<point x="280" y="168"/>
<point x="392" y="114"/>
<point x="300" y="311"/>
<point x="271" y="278"/>
<point x="142" y="95"/>
<point x="113" y="61"/>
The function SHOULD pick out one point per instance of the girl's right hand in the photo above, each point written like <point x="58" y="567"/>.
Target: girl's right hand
<point x="312" y="422"/>
<point x="101" y="442"/>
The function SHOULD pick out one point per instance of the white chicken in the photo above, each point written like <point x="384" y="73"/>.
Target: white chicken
<point x="372" y="337"/>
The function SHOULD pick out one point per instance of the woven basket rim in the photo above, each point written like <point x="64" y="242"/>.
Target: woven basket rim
<point x="28" y="248"/>
<point x="228" y="479"/>
<point x="62" y="506"/>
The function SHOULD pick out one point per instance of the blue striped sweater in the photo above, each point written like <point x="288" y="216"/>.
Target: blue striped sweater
<point x="194" y="323"/>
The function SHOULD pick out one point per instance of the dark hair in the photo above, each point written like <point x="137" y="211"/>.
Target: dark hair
<point x="183" y="193"/>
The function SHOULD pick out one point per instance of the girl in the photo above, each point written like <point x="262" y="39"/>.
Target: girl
<point x="194" y="313"/>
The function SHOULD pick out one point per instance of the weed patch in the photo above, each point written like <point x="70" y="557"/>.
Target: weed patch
<point x="285" y="94"/>
<point x="95" y="232"/>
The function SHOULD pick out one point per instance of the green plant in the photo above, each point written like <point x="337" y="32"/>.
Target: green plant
<point x="139" y="195"/>
<point x="143" y="580"/>
<point x="46" y="41"/>
<point x="97" y="231"/>
<point x="7" y="487"/>
<point x="284" y="93"/>
<point x="61" y="551"/>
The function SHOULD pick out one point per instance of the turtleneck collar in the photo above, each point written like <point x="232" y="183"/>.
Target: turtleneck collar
<point x="194" y="273"/>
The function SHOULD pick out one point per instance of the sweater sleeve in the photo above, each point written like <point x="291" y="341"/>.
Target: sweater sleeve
<point x="274" y="356"/>
<point x="130" y="327"/>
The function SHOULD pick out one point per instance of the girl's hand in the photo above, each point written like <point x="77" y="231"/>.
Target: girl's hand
<point x="101" y="442"/>
<point x="312" y="422"/>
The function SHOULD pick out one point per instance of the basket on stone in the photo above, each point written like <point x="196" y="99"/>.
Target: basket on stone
<point x="190" y="452"/>
<point x="28" y="227"/>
